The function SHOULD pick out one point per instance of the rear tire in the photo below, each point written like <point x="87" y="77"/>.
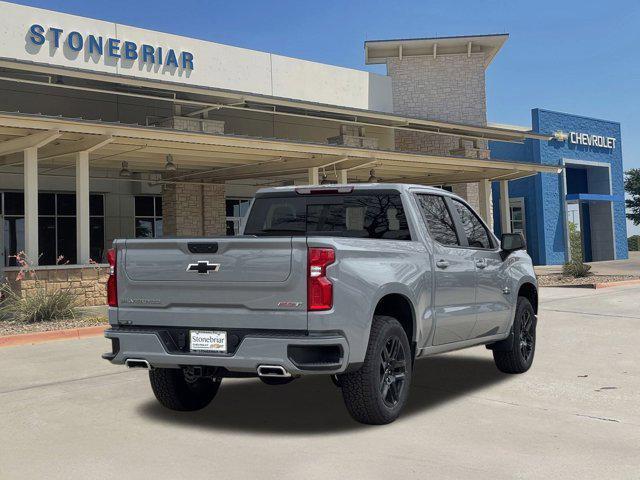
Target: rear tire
<point x="174" y="392"/>
<point x="377" y="393"/>
<point x="517" y="354"/>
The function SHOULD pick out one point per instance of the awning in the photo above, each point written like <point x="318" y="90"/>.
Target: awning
<point x="593" y="197"/>
<point x="220" y="158"/>
<point x="196" y="100"/>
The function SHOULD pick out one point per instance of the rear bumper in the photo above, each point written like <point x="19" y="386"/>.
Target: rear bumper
<point x="252" y="352"/>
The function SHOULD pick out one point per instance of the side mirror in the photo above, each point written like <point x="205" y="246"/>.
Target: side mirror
<point x="511" y="242"/>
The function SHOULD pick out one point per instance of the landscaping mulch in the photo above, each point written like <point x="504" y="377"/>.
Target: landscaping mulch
<point x="559" y="280"/>
<point x="15" y="328"/>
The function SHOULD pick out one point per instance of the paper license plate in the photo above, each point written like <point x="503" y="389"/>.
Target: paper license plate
<point x="208" y="341"/>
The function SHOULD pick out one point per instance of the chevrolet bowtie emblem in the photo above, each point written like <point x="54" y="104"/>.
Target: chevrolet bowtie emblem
<point x="203" y="267"/>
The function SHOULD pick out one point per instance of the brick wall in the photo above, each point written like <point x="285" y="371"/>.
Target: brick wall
<point x="449" y="88"/>
<point x="89" y="284"/>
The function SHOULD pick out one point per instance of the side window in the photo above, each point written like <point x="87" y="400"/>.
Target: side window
<point x="477" y="235"/>
<point x="438" y="218"/>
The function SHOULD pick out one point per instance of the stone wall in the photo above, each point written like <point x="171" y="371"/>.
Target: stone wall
<point x="193" y="210"/>
<point x="214" y="210"/>
<point x="449" y="88"/>
<point x="89" y="283"/>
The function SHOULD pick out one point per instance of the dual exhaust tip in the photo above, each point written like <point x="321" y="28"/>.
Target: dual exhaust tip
<point x="263" y="370"/>
<point x="137" y="363"/>
<point x="272" y="371"/>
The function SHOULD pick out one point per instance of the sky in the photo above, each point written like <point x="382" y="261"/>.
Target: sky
<point x="578" y="57"/>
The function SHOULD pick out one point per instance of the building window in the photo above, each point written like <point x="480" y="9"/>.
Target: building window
<point x="148" y="216"/>
<point x="237" y="208"/>
<point x="56" y="227"/>
<point x="516" y="205"/>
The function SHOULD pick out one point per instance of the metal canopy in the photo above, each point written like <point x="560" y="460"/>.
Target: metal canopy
<point x="220" y="158"/>
<point x="201" y="99"/>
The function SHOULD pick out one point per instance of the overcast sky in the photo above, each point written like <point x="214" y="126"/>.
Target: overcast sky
<point x="572" y="56"/>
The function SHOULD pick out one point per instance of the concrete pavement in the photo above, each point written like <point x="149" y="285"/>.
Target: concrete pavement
<point x="67" y="414"/>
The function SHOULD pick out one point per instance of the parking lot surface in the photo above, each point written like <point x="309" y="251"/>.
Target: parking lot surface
<point x="67" y="414"/>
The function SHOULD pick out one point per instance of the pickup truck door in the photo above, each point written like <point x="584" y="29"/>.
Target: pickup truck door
<point x="492" y="301"/>
<point x="454" y="272"/>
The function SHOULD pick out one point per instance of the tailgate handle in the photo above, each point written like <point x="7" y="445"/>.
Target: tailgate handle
<point x="210" y="247"/>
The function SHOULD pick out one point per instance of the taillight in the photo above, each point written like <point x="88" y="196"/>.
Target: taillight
<point x="112" y="282"/>
<point x="319" y="288"/>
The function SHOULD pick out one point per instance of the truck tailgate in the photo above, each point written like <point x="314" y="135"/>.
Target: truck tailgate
<point x="224" y="282"/>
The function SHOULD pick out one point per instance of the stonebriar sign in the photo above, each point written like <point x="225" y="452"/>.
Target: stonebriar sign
<point x="115" y="48"/>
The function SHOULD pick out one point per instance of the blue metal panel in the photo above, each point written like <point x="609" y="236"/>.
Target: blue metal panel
<point x="577" y="181"/>
<point x="594" y="197"/>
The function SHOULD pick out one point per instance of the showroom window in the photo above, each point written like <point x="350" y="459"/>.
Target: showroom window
<point x="148" y="216"/>
<point x="56" y="227"/>
<point x="236" y="210"/>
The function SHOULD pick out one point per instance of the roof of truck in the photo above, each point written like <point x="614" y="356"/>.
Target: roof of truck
<point x="355" y="186"/>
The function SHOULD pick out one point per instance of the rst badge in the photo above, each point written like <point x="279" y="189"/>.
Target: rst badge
<point x="203" y="267"/>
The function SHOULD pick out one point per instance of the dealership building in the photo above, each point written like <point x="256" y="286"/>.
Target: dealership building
<point x="111" y="131"/>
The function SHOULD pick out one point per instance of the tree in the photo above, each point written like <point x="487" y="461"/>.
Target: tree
<point x="632" y="187"/>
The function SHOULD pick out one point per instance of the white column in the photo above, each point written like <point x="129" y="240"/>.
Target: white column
<point x="31" y="205"/>
<point x="82" y="208"/>
<point x="342" y="176"/>
<point x="314" y="176"/>
<point x="484" y="194"/>
<point x="505" y="207"/>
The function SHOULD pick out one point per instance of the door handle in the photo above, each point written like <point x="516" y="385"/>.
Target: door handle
<point x="442" y="264"/>
<point x="482" y="263"/>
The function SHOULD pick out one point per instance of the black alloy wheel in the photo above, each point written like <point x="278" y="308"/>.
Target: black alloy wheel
<point x="393" y="369"/>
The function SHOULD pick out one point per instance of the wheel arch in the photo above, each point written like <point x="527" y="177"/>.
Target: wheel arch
<point x="529" y="291"/>
<point x="400" y="307"/>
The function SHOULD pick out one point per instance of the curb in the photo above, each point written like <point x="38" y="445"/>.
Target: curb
<point x="51" y="335"/>
<point x="615" y="284"/>
<point x="598" y="285"/>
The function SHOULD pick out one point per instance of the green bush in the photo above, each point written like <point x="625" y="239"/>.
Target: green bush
<point x="576" y="269"/>
<point x="634" y="243"/>
<point x="38" y="306"/>
<point x="575" y="242"/>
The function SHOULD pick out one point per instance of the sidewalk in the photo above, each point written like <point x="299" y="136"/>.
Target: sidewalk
<point x="611" y="267"/>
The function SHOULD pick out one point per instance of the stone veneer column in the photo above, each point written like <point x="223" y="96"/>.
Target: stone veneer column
<point x="214" y="210"/>
<point x="194" y="210"/>
<point x="450" y="87"/>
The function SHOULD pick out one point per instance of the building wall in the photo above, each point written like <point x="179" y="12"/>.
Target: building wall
<point x="544" y="193"/>
<point x="448" y="88"/>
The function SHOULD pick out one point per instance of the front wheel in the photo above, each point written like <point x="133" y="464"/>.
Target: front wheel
<point x="177" y="392"/>
<point x="516" y="356"/>
<point x="377" y="393"/>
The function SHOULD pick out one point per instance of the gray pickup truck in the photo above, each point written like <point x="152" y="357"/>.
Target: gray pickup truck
<point x="349" y="281"/>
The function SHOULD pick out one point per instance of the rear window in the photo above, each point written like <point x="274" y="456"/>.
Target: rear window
<point x="358" y="215"/>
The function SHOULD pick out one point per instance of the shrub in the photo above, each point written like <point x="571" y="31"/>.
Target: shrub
<point x="38" y="306"/>
<point x="575" y="242"/>
<point x="576" y="269"/>
<point x="634" y="243"/>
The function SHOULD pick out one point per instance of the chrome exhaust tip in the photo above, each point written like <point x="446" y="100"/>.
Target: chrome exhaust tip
<point x="272" y="371"/>
<point x="137" y="363"/>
